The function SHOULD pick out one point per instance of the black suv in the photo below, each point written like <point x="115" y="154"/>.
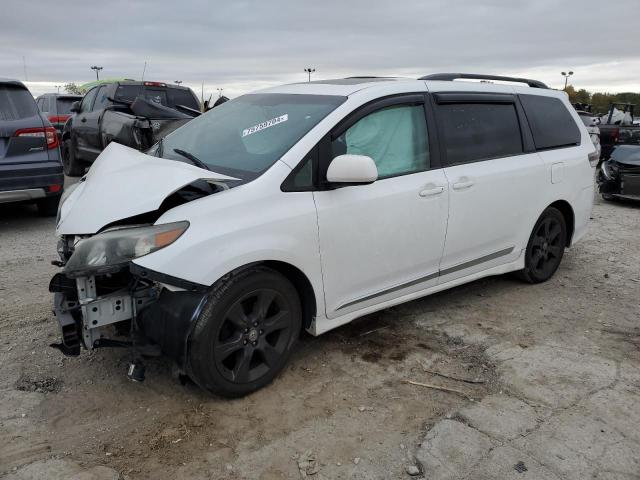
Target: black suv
<point x="30" y="166"/>
<point x="57" y="108"/>
<point x="105" y="114"/>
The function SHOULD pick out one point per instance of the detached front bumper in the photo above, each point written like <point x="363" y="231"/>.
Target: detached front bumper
<point x="133" y="307"/>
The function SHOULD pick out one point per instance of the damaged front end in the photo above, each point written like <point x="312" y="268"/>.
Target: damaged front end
<point x="102" y="299"/>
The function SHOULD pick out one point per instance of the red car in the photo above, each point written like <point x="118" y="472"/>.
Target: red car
<point x="57" y="108"/>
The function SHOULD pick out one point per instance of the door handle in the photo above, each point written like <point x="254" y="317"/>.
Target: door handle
<point x="431" y="191"/>
<point x="464" y="184"/>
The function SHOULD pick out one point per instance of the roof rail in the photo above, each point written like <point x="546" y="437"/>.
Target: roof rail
<point x="475" y="76"/>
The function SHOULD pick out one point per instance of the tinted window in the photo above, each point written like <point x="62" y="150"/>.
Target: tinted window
<point x="551" y="123"/>
<point x="87" y="101"/>
<point x="479" y="131"/>
<point x="64" y="105"/>
<point x="129" y="93"/>
<point x="394" y="137"/>
<point x="245" y="136"/>
<point x="182" y="97"/>
<point x="16" y="103"/>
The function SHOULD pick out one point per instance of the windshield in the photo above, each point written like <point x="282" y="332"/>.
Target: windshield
<point x="245" y="136"/>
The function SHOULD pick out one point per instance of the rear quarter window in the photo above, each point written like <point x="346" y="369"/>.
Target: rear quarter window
<point x="551" y="123"/>
<point x="16" y="103"/>
<point x="479" y="131"/>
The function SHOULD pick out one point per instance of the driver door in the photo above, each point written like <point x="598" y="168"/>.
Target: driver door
<point x="383" y="240"/>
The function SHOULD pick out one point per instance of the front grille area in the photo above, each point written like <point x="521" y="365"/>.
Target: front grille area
<point x="630" y="184"/>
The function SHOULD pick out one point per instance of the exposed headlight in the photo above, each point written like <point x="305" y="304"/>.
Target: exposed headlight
<point x="108" y="251"/>
<point x="609" y="170"/>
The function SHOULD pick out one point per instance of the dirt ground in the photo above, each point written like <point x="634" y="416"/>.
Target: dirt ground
<point x="343" y="407"/>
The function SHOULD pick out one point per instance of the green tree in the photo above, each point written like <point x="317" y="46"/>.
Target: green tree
<point x="73" y="89"/>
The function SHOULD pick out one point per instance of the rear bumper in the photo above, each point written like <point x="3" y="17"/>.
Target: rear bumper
<point x="24" y="195"/>
<point x="28" y="181"/>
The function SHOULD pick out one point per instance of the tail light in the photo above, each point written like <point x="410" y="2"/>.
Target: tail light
<point x="54" y="188"/>
<point x="615" y="135"/>
<point x="59" y="118"/>
<point x="594" y="158"/>
<point x="154" y="84"/>
<point x="48" y="133"/>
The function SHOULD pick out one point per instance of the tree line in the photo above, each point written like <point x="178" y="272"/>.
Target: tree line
<point x="600" y="101"/>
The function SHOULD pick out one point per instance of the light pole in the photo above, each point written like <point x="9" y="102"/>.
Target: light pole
<point x="97" y="69"/>
<point x="566" y="78"/>
<point x="309" y="71"/>
<point x="58" y="87"/>
<point x="219" y="92"/>
<point x="177" y="81"/>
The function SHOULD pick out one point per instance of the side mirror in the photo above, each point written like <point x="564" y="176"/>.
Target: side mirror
<point x="352" y="169"/>
<point x="75" y="107"/>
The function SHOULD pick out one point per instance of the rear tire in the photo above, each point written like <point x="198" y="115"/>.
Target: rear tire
<point x="245" y="333"/>
<point x="48" y="207"/>
<point x="607" y="197"/>
<point x="545" y="248"/>
<point x="72" y="166"/>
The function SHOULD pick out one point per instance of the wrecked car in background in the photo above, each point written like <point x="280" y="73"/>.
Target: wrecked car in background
<point x="135" y="114"/>
<point x="309" y="205"/>
<point x="619" y="177"/>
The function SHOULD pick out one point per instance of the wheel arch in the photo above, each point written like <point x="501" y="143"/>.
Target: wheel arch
<point x="569" y="217"/>
<point x="300" y="282"/>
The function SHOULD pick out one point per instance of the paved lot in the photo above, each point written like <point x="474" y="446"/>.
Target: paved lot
<point x="548" y="379"/>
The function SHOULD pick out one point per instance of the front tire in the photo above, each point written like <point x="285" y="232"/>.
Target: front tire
<point x="72" y="166"/>
<point x="545" y="248"/>
<point x="245" y="333"/>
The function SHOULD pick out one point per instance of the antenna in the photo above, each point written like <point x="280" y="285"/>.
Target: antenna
<point x="144" y="70"/>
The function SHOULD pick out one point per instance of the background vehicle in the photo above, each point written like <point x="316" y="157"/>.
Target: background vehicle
<point x="617" y="128"/>
<point x="619" y="176"/>
<point x="30" y="168"/>
<point x="591" y="122"/>
<point x="57" y="108"/>
<point x="316" y="204"/>
<point x="136" y="114"/>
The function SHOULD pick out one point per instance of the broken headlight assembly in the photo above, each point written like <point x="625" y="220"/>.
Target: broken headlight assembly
<point x="609" y="170"/>
<point x="109" y="251"/>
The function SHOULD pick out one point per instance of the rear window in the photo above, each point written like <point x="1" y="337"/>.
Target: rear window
<point x="551" y="123"/>
<point x="169" y="97"/>
<point x="129" y="93"/>
<point x="64" y="104"/>
<point x="16" y="103"/>
<point x="479" y="131"/>
<point x="177" y="96"/>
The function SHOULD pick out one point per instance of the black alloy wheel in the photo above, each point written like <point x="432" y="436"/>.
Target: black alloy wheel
<point x="245" y="333"/>
<point x="546" y="247"/>
<point x="253" y="336"/>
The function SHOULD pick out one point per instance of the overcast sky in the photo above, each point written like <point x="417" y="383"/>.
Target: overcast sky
<point x="244" y="45"/>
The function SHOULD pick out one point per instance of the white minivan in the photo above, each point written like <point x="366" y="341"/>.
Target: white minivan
<point x="304" y="206"/>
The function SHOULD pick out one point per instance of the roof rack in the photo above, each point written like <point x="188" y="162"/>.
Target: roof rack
<point x="475" y="76"/>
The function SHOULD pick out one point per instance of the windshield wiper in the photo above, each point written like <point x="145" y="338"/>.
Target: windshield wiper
<point x="190" y="156"/>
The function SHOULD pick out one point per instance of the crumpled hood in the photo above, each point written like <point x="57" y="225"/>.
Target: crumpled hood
<point x="121" y="183"/>
<point x="626" y="154"/>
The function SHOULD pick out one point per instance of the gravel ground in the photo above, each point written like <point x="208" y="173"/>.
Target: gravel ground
<point x="547" y="380"/>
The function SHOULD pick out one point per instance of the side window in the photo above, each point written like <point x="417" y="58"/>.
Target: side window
<point x="479" y="131"/>
<point x="394" y="137"/>
<point x="551" y="124"/>
<point x="101" y="98"/>
<point x="50" y="104"/>
<point x="87" y="101"/>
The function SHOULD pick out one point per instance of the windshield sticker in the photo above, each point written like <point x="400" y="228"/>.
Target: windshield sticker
<point x="267" y="124"/>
